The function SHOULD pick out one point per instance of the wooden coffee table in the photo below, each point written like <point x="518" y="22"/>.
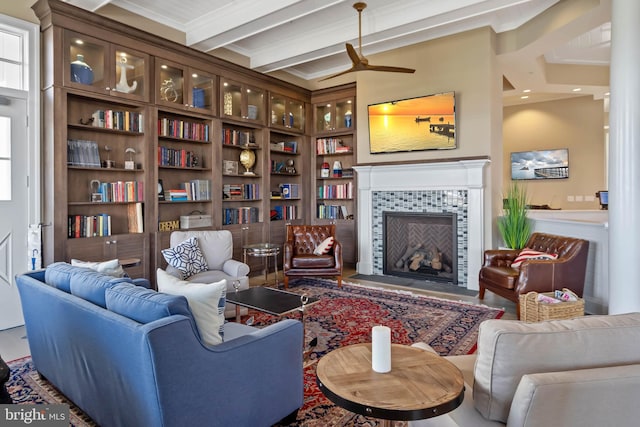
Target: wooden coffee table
<point x="420" y="384"/>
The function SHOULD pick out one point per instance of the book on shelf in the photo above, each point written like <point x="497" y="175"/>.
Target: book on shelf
<point x="241" y="215"/>
<point x="134" y="217"/>
<point x="289" y="191"/>
<point x="178" y="158"/>
<point x="175" y="128"/>
<point x="241" y="191"/>
<point x="83" y="153"/>
<point x="130" y="121"/>
<point x="331" y="146"/>
<point x="122" y="191"/>
<point x="79" y="226"/>
<point x="238" y="137"/>
<point x="332" y="212"/>
<point x="285" y="146"/>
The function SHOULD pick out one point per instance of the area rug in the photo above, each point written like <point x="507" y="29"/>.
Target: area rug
<point x="343" y="316"/>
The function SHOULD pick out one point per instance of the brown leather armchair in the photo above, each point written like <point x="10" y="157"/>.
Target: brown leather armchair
<point x="568" y="271"/>
<point x="299" y="259"/>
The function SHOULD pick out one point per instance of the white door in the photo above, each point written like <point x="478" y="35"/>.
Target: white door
<point x="13" y="205"/>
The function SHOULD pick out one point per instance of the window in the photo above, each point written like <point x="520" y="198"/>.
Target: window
<point x="12" y="69"/>
<point x="5" y="158"/>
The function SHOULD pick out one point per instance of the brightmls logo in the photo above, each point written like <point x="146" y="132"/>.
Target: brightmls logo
<point x="34" y="415"/>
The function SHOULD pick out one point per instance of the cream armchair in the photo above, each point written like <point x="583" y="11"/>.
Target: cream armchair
<point x="570" y="373"/>
<point x="217" y="248"/>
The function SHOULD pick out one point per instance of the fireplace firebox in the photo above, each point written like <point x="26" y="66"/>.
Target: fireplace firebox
<point x="421" y="245"/>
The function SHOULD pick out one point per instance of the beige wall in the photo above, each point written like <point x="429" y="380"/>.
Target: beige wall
<point x="576" y="124"/>
<point x="20" y="9"/>
<point x="460" y="63"/>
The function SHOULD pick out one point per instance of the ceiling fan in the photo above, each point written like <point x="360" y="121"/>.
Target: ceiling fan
<point x="360" y="63"/>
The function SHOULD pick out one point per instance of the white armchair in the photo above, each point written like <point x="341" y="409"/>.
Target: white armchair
<point x="217" y="248"/>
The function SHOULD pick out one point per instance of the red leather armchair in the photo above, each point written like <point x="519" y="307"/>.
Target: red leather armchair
<point x="299" y="259"/>
<point x="568" y="271"/>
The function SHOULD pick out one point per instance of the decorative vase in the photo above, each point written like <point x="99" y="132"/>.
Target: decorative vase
<point x="81" y="72"/>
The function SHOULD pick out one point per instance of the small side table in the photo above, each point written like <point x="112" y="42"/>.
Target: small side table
<point x="263" y="250"/>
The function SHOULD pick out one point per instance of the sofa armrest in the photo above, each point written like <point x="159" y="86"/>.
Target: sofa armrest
<point x="255" y="379"/>
<point x="499" y="257"/>
<point x="235" y="268"/>
<point x="599" y="396"/>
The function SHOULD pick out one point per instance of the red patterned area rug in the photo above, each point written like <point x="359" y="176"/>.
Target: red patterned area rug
<point x="342" y="317"/>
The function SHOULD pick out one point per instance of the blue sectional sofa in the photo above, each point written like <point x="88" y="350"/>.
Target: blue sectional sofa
<point x="131" y="356"/>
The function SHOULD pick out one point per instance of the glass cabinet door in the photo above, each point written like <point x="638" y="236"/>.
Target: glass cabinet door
<point x="169" y="84"/>
<point x="202" y="93"/>
<point x="343" y="114"/>
<point x="296" y="115"/>
<point x="255" y="104"/>
<point x="130" y="73"/>
<point x="99" y="66"/>
<point x="332" y="116"/>
<point x="287" y="113"/>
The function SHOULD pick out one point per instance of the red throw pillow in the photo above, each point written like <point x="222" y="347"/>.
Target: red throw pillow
<point x="324" y="247"/>
<point x="527" y="254"/>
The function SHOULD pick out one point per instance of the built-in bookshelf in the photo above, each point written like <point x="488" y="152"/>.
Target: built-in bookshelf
<point x="242" y="177"/>
<point x="334" y="154"/>
<point x="184" y="161"/>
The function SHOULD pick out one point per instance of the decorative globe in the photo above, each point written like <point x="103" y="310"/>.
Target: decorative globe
<point x="248" y="159"/>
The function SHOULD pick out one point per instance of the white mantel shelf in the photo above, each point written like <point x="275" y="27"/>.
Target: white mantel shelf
<point x="449" y="175"/>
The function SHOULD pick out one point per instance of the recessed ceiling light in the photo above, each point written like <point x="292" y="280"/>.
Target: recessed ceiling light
<point x="578" y="89"/>
<point x="164" y="67"/>
<point x="526" y="91"/>
<point x="607" y="93"/>
<point x="524" y="97"/>
<point x="78" y="41"/>
<point x="606" y="126"/>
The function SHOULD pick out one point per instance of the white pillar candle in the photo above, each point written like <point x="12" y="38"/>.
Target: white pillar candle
<point x="381" y="349"/>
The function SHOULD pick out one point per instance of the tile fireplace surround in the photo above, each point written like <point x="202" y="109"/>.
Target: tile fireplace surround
<point x="456" y="186"/>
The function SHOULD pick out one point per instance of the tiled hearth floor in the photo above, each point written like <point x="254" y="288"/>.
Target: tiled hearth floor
<point x="13" y="342"/>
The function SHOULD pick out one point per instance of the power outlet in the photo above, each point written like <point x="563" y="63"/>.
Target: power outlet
<point x="579" y="198"/>
<point x="571" y="199"/>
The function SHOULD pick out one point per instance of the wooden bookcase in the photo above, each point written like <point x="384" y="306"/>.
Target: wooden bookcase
<point x="170" y="86"/>
<point x="333" y="157"/>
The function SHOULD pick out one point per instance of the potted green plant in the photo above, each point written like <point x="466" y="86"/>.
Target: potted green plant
<point x="514" y="225"/>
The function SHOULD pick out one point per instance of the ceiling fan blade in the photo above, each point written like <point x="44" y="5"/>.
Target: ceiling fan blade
<point x="355" y="58"/>
<point x="389" y="69"/>
<point x="350" y="70"/>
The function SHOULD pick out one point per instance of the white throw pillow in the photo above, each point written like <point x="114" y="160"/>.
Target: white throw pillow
<point x="324" y="247"/>
<point x="206" y="301"/>
<point x="186" y="257"/>
<point x="111" y="267"/>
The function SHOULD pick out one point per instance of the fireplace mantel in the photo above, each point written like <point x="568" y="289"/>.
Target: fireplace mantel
<point x="467" y="175"/>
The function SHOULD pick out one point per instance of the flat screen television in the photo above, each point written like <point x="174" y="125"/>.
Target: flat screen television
<point x="413" y="124"/>
<point x="542" y="164"/>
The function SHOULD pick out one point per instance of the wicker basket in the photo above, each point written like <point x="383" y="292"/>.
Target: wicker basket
<point x="532" y="310"/>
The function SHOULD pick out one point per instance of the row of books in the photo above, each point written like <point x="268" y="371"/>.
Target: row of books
<point x="241" y="191"/>
<point x="237" y="137"/>
<point x="286" y="146"/>
<point x="331" y="146"/>
<point x="196" y="189"/>
<point x="122" y="191"/>
<point x="284" y="212"/>
<point x="175" y="157"/>
<point x="242" y="215"/>
<point x="88" y="225"/>
<point x="336" y="191"/>
<point x="130" y="121"/>
<point x="332" y="212"/>
<point x="290" y="191"/>
<point x="180" y="129"/>
<point x="83" y="153"/>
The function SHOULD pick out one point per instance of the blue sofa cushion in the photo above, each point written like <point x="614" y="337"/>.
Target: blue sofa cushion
<point x="145" y="305"/>
<point x="92" y="285"/>
<point x="59" y="275"/>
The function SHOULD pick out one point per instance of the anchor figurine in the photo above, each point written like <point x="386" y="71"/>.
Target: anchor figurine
<point x="123" y="84"/>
